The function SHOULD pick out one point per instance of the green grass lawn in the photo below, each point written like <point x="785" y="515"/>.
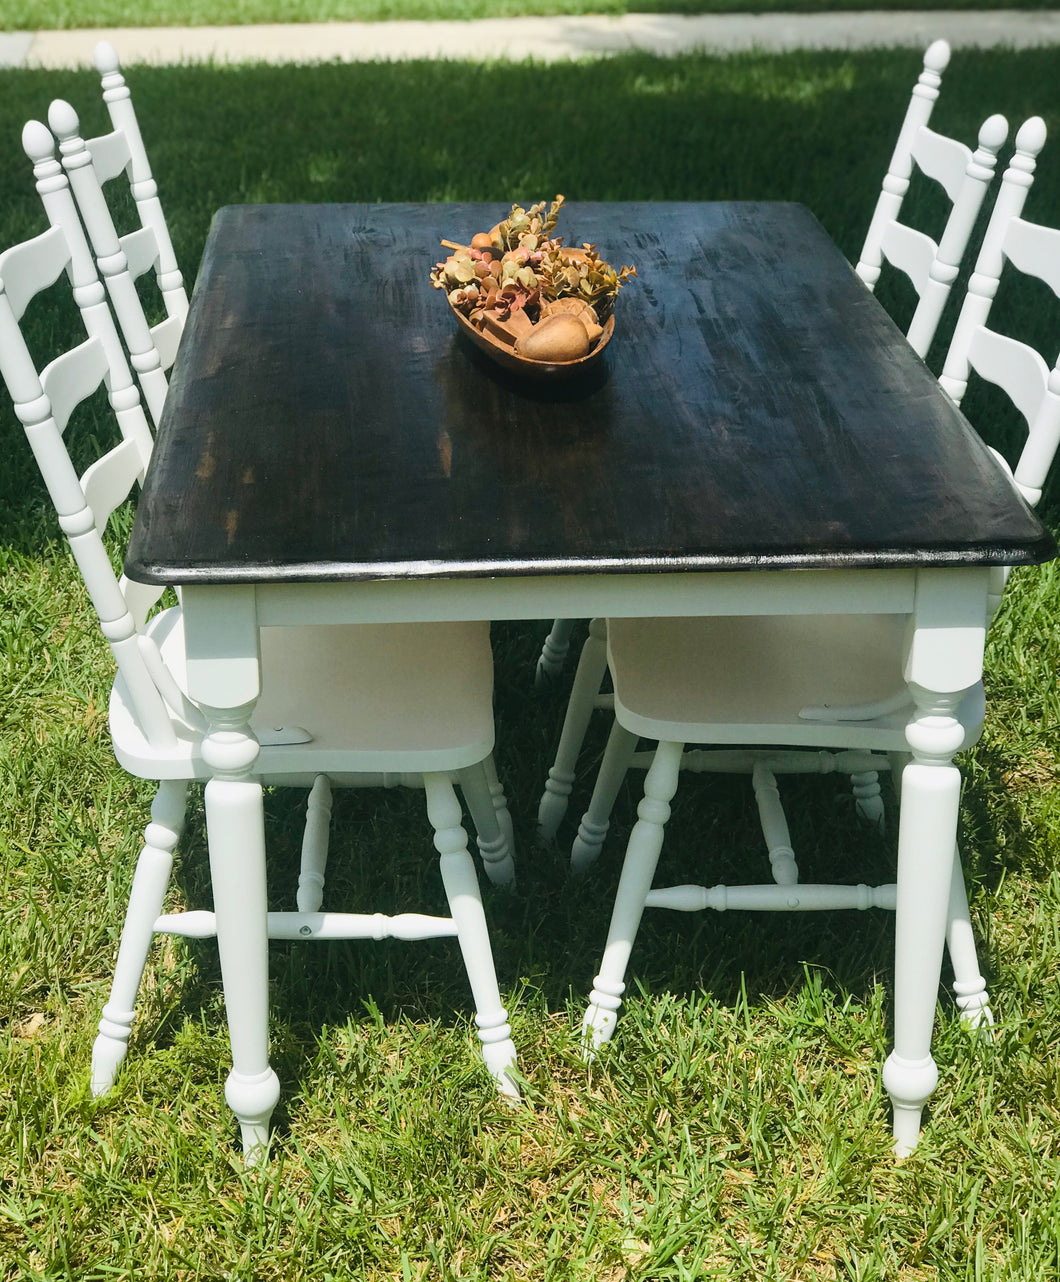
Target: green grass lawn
<point x="736" y="1128"/>
<point x="33" y="15"/>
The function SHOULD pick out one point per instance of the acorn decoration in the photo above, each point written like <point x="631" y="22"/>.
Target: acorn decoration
<point x="528" y="299"/>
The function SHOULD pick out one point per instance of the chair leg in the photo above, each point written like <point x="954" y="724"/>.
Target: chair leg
<point x="490" y="836"/>
<point x="968" y="984"/>
<point x="553" y="652"/>
<point x="145" y="905"/>
<point x="867" y="797"/>
<point x="500" y="802"/>
<point x="592" y="664"/>
<point x="638" y="870"/>
<point x="315" y="846"/>
<point x="235" y="831"/>
<point x="621" y="745"/>
<point x="465" y="905"/>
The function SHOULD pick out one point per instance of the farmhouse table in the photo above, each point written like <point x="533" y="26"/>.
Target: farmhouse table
<point x="757" y="439"/>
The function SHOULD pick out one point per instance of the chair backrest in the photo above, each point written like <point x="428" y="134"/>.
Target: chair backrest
<point x="121" y="260"/>
<point x="108" y="152"/>
<point x="964" y="176"/>
<point x="1016" y="367"/>
<point x="88" y="292"/>
<point x="44" y="403"/>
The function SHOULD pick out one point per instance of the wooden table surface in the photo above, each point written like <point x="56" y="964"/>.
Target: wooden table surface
<point x="756" y="408"/>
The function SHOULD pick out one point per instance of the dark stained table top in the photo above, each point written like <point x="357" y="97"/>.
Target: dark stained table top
<point x="755" y="409"/>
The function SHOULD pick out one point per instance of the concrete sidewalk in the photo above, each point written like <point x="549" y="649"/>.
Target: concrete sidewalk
<point x="544" y="39"/>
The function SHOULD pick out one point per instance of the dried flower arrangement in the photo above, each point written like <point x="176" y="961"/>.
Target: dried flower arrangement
<point x="527" y="297"/>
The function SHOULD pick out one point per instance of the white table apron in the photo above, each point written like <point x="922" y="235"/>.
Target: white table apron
<point x="947" y="612"/>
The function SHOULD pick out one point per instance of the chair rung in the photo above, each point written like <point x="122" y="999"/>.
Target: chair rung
<point x="768" y="898"/>
<point x="804" y="761"/>
<point x="409" y="926"/>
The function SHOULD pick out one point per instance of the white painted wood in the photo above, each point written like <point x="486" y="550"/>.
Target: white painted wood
<point x="592" y="664"/>
<point x="465" y="904"/>
<point x="687" y="679"/>
<point x="800" y="896"/>
<point x="144" y="189"/>
<point x="305" y="926"/>
<point x="111" y="260"/>
<point x="900" y="168"/>
<point x="964" y="176"/>
<point x="314" y="847"/>
<point x="492" y="837"/>
<point x="227" y="702"/>
<point x="638" y="870"/>
<point x="554" y="652"/>
<point x="1016" y="182"/>
<point x="145" y="903"/>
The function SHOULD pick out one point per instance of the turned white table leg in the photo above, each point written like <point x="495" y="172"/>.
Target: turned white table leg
<point x="235" y="830"/>
<point x="490" y="836"/>
<point x="592" y="664"/>
<point x="621" y="745"/>
<point x="224" y="677"/>
<point x="145" y="905"/>
<point x="465" y="905"/>
<point x="930" y="798"/>
<point x="638" y="870"/>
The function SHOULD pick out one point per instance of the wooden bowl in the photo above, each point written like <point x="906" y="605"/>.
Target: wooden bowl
<point x="509" y="359"/>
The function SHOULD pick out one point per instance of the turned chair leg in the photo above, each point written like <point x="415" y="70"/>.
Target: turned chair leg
<point x="968" y="983"/>
<point x="638" y="871"/>
<point x="592" y="664"/>
<point x="145" y="906"/>
<point x="553" y="652"/>
<point x="465" y="906"/>
<point x="621" y="745"/>
<point x="315" y="846"/>
<point x="867" y="797"/>
<point x="490" y="835"/>
<point x="500" y="801"/>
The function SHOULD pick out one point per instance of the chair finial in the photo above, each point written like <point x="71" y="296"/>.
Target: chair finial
<point x="993" y="133"/>
<point x="37" y="141"/>
<point x="105" y="58"/>
<point x="937" y="56"/>
<point x="63" y="120"/>
<point x="1031" y="136"/>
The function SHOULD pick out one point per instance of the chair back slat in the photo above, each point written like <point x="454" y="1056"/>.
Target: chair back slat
<point x="110" y="155"/>
<point x="28" y="268"/>
<point x="141" y="599"/>
<point x="108" y="482"/>
<point x="1013" y="366"/>
<point x="72" y="378"/>
<point x="911" y="252"/>
<point x="943" y="159"/>
<point x="1035" y="250"/>
<point x="141" y="251"/>
<point x="166" y="335"/>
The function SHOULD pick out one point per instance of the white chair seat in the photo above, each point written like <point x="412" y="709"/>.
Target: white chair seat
<point x="747" y="680"/>
<point x="373" y="697"/>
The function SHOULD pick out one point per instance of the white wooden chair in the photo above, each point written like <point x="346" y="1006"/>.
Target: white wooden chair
<point x="931" y="268"/>
<point x="365" y="705"/>
<point x="963" y="175"/>
<point x="122" y="260"/>
<point x="770" y="686"/>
